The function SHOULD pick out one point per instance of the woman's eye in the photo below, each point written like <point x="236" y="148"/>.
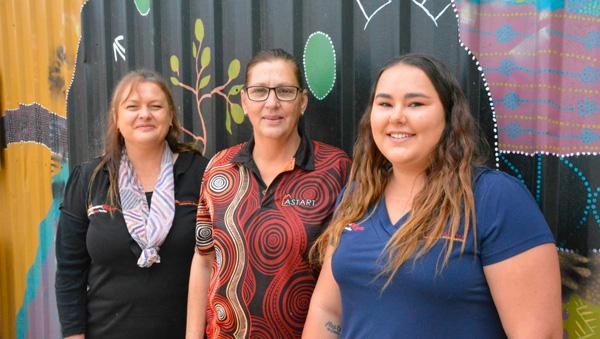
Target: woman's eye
<point x="131" y="107"/>
<point x="415" y="104"/>
<point x="156" y="107"/>
<point x="384" y="104"/>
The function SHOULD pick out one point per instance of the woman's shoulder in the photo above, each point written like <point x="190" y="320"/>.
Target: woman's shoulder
<point x="494" y="179"/>
<point x="195" y="159"/>
<point x="323" y="148"/>
<point x="225" y="156"/>
<point x="85" y="169"/>
<point x="498" y="187"/>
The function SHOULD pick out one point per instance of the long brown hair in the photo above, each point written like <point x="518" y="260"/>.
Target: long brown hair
<point x="447" y="195"/>
<point x="114" y="142"/>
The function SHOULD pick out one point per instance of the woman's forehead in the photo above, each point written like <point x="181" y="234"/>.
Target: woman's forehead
<point x="280" y="69"/>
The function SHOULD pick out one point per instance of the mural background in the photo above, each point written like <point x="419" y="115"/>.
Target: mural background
<point x="529" y="68"/>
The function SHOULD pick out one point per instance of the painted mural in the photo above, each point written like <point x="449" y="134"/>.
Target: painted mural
<point x="34" y="72"/>
<point x="540" y="63"/>
<point x="537" y="62"/>
<point x="201" y="60"/>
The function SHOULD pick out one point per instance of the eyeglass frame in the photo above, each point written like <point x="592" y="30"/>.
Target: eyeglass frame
<point x="298" y="90"/>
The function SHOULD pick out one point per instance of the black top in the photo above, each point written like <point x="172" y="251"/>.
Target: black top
<point x="100" y="290"/>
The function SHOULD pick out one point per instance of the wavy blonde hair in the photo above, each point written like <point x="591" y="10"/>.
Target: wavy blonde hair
<point x="447" y="195"/>
<point x="114" y="142"/>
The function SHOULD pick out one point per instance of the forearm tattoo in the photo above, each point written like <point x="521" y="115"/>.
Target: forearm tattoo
<point x="333" y="328"/>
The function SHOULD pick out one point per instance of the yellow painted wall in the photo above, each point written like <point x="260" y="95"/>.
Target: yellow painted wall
<point x="38" y="40"/>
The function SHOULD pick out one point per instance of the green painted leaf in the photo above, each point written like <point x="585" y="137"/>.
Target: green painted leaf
<point x="199" y="30"/>
<point x="175" y="81"/>
<point x="237" y="113"/>
<point x="205" y="59"/>
<point x="319" y="64"/>
<point x="194" y="50"/>
<point x="174" y="63"/>
<point x="234" y="69"/>
<point x="228" y="122"/>
<point x="143" y="6"/>
<point x="204" y="82"/>
<point x="235" y="89"/>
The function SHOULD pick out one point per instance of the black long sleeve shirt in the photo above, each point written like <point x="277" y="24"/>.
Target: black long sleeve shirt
<point x="100" y="290"/>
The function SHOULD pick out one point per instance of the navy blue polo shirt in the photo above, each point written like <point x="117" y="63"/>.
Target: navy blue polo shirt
<point x="455" y="303"/>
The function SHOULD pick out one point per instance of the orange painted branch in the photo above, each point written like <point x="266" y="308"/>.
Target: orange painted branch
<point x="188" y="88"/>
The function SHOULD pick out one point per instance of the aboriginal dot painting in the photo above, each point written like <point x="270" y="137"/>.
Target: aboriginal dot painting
<point x="539" y="62"/>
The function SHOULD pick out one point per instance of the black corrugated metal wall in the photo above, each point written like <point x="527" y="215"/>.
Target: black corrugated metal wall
<point x="237" y="29"/>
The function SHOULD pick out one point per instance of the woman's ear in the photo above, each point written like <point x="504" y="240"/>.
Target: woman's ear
<point x="304" y="100"/>
<point x="243" y="100"/>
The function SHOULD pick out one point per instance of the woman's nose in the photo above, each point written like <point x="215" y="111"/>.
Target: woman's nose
<point x="398" y="116"/>
<point x="144" y="112"/>
<point x="271" y="98"/>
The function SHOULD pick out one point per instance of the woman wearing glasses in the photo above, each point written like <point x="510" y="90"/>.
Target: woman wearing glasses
<point x="262" y="205"/>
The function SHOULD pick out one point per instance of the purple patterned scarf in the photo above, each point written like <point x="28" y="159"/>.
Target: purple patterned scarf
<point x="149" y="227"/>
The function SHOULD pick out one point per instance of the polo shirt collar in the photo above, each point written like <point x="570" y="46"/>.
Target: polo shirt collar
<point x="304" y="157"/>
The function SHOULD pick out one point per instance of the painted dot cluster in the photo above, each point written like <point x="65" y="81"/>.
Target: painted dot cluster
<point x="585" y="107"/>
<point x="590" y="40"/>
<point x="538" y="180"/>
<point x="588" y="75"/>
<point x="587" y="7"/>
<point x="514" y="131"/>
<point x="503" y="35"/>
<point x="513" y="168"/>
<point x="590" y="211"/>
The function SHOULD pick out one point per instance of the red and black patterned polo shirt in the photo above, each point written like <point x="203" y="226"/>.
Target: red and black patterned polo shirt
<point x="261" y="280"/>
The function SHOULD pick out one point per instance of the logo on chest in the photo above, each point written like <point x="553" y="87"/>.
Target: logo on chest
<point x="351" y="227"/>
<point x="99" y="209"/>
<point x="289" y="201"/>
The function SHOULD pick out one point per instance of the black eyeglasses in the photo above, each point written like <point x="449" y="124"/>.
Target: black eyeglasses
<point x="283" y="93"/>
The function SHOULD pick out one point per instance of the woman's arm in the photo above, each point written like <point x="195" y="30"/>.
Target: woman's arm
<point x="198" y="294"/>
<point x="526" y="292"/>
<point x="72" y="266"/>
<point x="324" y="318"/>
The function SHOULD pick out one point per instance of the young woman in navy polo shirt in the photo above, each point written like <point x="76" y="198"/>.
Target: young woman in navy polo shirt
<point x="423" y="243"/>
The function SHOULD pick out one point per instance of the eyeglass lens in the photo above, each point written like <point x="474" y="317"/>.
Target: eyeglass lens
<point x="261" y="93"/>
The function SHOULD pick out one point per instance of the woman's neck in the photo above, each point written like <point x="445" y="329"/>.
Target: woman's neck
<point x="270" y="156"/>
<point x="145" y="155"/>
<point x="146" y="163"/>
<point x="405" y="182"/>
<point x="275" y="150"/>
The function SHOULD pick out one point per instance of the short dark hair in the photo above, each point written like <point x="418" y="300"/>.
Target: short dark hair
<point x="272" y="55"/>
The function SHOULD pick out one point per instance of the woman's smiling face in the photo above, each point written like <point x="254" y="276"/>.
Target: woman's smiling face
<point x="273" y="118"/>
<point x="407" y="117"/>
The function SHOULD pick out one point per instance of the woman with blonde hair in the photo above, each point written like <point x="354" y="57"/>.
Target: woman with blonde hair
<point x="423" y="242"/>
<point x="125" y="236"/>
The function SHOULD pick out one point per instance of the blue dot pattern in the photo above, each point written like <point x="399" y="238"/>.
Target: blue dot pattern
<point x="585" y="107"/>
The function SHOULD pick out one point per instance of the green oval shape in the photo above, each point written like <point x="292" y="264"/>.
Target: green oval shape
<point x="319" y="64"/>
<point x="204" y="82"/>
<point x="234" y="69"/>
<point x="237" y="113"/>
<point x="235" y="89"/>
<point x="205" y="58"/>
<point x="175" y="81"/>
<point x="143" y="6"/>
<point x="174" y="63"/>
<point x="199" y="30"/>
